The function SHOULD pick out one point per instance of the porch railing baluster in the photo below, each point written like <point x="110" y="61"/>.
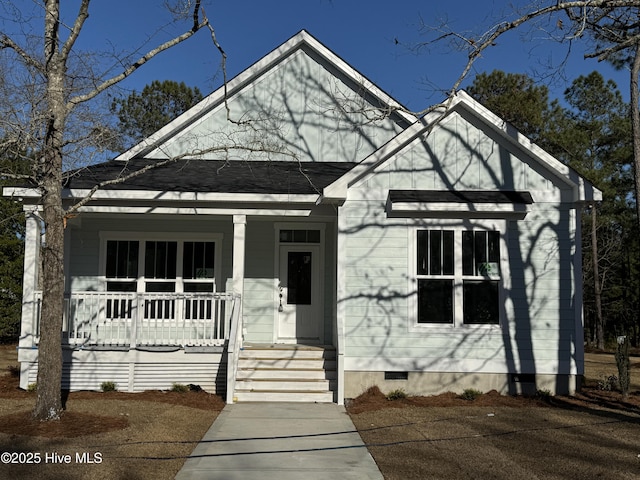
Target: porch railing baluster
<point x="134" y="319"/>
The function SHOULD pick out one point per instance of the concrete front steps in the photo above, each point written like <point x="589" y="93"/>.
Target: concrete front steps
<point x="286" y="373"/>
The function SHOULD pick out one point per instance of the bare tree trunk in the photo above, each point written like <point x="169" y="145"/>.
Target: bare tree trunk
<point x="597" y="288"/>
<point x="635" y="126"/>
<point x="52" y="66"/>
<point x="635" y="133"/>
<point x="49" y="402"/>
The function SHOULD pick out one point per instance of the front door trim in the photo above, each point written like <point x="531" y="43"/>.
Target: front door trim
<point x="320" y="247"/>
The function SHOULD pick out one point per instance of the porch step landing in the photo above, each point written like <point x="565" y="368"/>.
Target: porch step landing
<point x="286" y="373"/>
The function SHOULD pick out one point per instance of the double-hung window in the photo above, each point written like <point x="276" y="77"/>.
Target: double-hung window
<point x="457" y="276"/>
<point x="436" y="276"/>
<point x="480" y="277"/>
<point x="122" y="275"/>
<point x="122" y="265"/>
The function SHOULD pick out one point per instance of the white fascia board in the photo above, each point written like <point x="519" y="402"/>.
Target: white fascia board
<point x="162" y="196"/>
<point x="338" y="189"/>
<point x="459" y="210"/>
<point x="257" y="69"/>
<point x="212" y="100"/>
<point x="137" y="195"/>
<point x="583" y="190"/>
<point x="20" y="192"/>
<point x="356" y="76"/>
<point x="277" y="212"/>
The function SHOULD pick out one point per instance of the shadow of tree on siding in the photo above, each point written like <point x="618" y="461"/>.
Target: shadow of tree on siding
<point x="383" y="308"/>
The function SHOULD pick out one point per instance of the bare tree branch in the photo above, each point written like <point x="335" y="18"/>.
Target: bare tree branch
<point x="223" y="64"/>
<point x="604" y="53"/>
<point x="7" y="42"/>
<point x="137" y="64"/>
<point x="83" y="14"/>
<point x="477" y="46"/>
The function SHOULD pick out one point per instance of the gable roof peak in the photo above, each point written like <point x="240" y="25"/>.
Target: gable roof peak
<point x="302" y="39"/>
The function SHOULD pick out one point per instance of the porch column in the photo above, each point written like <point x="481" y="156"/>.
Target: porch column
<point x="576" y="224"/>
<point x="30" y="280"/>
<point x="239" y="228"/>
<point x="341" y="249"/>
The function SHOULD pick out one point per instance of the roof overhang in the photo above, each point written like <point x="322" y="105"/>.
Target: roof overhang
<point x="435" y="203"/>
<point x="126" y="196"/>
<point x="177" y="203"/>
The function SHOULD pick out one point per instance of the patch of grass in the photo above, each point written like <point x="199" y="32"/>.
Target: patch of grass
<point x="397" y="394"/>
<point x="470" y="394"/>
<point x="32" y="387"/>
<point x="180" y="388"/>
<point x="109" y="387"/>
<point x="608" y="383"/>
<point x="543" y="394"/>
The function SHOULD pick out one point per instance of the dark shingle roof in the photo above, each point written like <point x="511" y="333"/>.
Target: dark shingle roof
<point x="215" y="176"/>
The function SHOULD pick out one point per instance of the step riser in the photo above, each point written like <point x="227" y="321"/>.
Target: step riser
<point x="280" y="374"/>
<point x="274" y="386"/>
<point x="297" y="354"/>
<point x="286" y="375"/>
<point x="287" y="364"/>
<point x="326" y="397"/>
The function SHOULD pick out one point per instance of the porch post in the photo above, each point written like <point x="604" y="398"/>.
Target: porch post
<point x="239" y="228"/>
<point x="341" y="295"/>
<point x="30" y="280"/>
<point x="576" y="223"/>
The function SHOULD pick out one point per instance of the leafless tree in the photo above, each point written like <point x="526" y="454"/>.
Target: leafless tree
<point x="47" y="110"/>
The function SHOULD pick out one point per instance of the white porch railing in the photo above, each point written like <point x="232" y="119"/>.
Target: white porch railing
<point x="144" y="319"/>
<point x="236" y="339"/>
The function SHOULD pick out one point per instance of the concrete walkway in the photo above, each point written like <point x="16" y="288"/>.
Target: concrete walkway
<point x="283" y="441"/>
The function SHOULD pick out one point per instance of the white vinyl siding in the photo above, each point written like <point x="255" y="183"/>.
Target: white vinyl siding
<point x="138" y="371"/>
<point x="378" y="286"/>
<point x="294" y="102"/>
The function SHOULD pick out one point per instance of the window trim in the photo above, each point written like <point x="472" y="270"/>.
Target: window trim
<point x="458" y="226"/>
<point x="143" y="237"/>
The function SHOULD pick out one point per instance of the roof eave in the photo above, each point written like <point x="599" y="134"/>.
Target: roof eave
<point x="178" y="196"/>
<point x="584" y="191"/>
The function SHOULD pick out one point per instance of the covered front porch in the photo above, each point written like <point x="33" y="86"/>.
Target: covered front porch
<point x="276" y="273"/>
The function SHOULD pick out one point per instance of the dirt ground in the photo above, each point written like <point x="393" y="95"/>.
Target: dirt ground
<point x="148" y="435"/>
<point x="111" y="435"/>
<point x="593" y="434"/>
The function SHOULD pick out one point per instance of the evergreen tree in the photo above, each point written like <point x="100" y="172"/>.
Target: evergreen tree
<point x="142" y="114"/>
<point x="11" y="258"/>
<point x="592" y="136"/>
<point x="515" y="98"/>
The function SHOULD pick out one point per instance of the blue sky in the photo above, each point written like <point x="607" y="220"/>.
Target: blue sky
<point x="363" y="33"/>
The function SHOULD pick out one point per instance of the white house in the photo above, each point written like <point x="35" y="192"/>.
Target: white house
<point x="310" y="240"/>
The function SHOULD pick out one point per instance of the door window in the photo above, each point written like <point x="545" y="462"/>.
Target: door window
<point x="299" y="278"/>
